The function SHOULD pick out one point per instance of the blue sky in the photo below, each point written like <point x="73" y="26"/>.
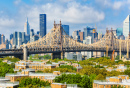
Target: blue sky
<point x="76" y="13"/>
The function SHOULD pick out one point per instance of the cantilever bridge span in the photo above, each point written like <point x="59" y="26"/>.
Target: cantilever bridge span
<point x="57" y="42"/>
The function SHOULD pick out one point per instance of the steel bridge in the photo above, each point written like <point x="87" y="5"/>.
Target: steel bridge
<point x="57" y="42"/>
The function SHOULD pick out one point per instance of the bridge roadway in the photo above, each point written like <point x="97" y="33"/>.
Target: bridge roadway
<point x="19" y="52"/>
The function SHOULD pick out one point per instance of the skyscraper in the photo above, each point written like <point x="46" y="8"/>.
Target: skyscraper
<point x="27" y="27"/>
<point x="119" y="31"/>
<point x="15" y="38"/>
<point x="42" y="25"/>
<point x="2" y="39"/>
<point x="126" y="26"/>
<point x="19" y="37"/>
<point x="66" y="28"/>
<point x="11" y="36"/>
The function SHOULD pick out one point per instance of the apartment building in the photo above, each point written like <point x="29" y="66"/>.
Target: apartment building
<point x="121" y="80"/>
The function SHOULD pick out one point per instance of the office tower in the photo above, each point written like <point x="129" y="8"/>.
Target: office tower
<point x="99" y="36"/>
<point x="7" y="43"/>
<point x="11" y="36"/>
<point x="27" y="38"/>
<point x="15" y="38"/>
<point x="119" y="31"/>
<point x="90" y="32"/>
<point x="42" y="25"/>
<point x="2" y="39"/>
<point x="23" y="37"/>
<point x="31" y="33"/>
<point x="81" y="34"/>
<point x="27" y="27"/>
<point x="126" y="26"/>
<point x="88" y="40"/>
<point x="19" y="37"/>
<point x="75" y="35"/>
<point x="66" y="28"/>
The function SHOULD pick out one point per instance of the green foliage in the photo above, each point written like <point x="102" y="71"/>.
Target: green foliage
<point x="127" y="72"/>
<point x="36" y="56"/>
<point x="68" y="67"/>
<point x="81" y="81"/>
<point x="48" y="62"/>
<point x="5" y="68"/>
<point x="14" y="59"/>
<point x="100" y="77"/>
<point x="26" y="81"/>
<point x="47" y="57"/>
<point x="114" y="73"/>
<point x="12" y="65"/>
<point x="98" y="66"/>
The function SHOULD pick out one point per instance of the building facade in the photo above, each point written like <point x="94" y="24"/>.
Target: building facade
<point x="126" y="26"/>
<point x="119" y="31"/>
<point x="66" y="28"/>
<point x="42" y="25"/>
<point x="27" y="27"/>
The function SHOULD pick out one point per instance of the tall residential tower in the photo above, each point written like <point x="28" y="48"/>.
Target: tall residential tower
<point x="42" y="25"/>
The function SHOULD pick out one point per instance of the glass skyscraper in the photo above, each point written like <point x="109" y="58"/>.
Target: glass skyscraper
<point x="119" y="31"/>
<point x="42" y="25"/>
<point x="126" y="26"/>
<point x="66" y="28"/>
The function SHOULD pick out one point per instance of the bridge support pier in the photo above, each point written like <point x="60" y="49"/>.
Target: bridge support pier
<point x="127" y="49"/>
<point x="56" y="55"/>
<point x="25" y="53"/>
<point x="51" y="55"/>
<point x="106" y="51"/>
<point x="120" y="50"/>
<point x="62" y="55"/>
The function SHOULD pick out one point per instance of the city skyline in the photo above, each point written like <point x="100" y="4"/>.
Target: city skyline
<point x="108" y="14"/>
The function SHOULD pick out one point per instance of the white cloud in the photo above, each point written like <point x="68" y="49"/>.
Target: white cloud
<point x="73" y="13"/>
<point x="117" y="5"/>
<point x="16" y="2"/>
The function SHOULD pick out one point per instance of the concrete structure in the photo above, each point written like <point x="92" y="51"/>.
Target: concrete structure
<point x="72" y="56"/>
<point x="42" y="21"/>
<point x="27" y="27"/>
<point x="75" y="35"/>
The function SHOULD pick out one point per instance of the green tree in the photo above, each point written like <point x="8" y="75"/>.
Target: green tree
<point x="100" y="77"/>
<point x="12" y="65"/>
<point x="127" y="72"/>
<point x="47" y="57"/>
<point x="26" y="81"/>
<point x="5" y="68"/>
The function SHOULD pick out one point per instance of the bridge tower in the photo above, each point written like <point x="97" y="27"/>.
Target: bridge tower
<point x="128" y="45"/>
<point x="25" y="53"/>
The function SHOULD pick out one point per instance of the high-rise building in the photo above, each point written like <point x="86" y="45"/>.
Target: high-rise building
<point x="66" y="28"/>
<point x="119" y="31"/>
<point x="27" y="27"/>
<point x="42" y="25"/>
<point x="126" y="26"/>
<point x="2" y="39"/>
<point x="38" y="32"/>
<point x="15" y="34"/>
<point x="81" y="34"/>
<point x="23" y="37"/>
<point x="31" y="33"/>
<point x="90" y="32"/>
<point x="75" y="35"/>
<point x="11" y="36"/>
<point x="19" y="37"/>
<point x="88" y="40"/>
